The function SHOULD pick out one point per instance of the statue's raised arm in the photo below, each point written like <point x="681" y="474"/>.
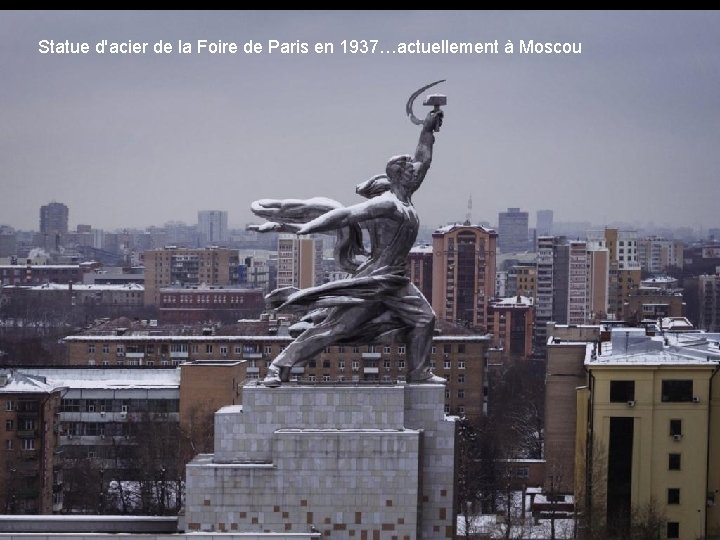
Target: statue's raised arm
<point x="432" y="123"/>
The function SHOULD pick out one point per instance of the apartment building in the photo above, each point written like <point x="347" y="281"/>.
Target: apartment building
<point x="464" y="265"/>
<point x="184" y="267"/>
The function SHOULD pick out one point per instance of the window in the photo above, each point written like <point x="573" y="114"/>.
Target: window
<point x="9" y="425"/>
<point x="9" y="444"/>
<point x="675" y="427"/>
<point x="238" y="349"/>
<point x="356" y="350"/>
<point x="223" y="349"/>
<point x="673" y="496"/>
<point x="461" y="364"/>
<point x="674" y="462"/>
<point x="208" y="348"/>
<point x="447" y="364"/>
<point x="447" y="348"/>
<point x="387" y="350"/>
<point x="341" y="364"/>
<point x="434" y="350"/>
<point x="461" y="394"/>
<point x="461" y="348"/>
<point x="401" y="349"/>
<point x="106" y="348"/>
<point x="28" y="444"/>
<point x="622" y="391"/>
<point x="461" y="378"/>
<point x="267" y="349"/>
<point x="677" y="390"/>
<point x="522" y="472"/>
<point x="10" y="405"/>
<point x="673" y="530"/>
<point x="91" y="348"/>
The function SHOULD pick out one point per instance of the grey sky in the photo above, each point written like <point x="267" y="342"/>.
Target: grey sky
<point x="627" y="130"/>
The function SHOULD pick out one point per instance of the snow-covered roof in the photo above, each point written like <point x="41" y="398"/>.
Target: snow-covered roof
<point x="675" y="324"/>
<point x="36" y="266"/>
<point x="452" y="226"/>
<point x="86" y="378"/>
<point x="24" y="383"/>
<point x="425" y="248"/>
<point x="664" y="357"/>
<point x="659" y="280"/>
<point x="80" y="287"/>
<point x="513" y="301"/>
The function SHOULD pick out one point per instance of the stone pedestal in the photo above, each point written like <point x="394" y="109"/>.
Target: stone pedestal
<point x="352" y="461"/>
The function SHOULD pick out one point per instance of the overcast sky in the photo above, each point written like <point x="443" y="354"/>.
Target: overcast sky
<point x="629" y="129"/>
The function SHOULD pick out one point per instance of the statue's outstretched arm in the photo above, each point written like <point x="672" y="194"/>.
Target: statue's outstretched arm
<point x="349" y="215"/>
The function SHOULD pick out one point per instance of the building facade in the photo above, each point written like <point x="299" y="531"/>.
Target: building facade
<point x="192" y="305"/>
<point x="53" y="225"/>
<point x="650" y="409"/>
<point x="421" y="269"/>
<point x="183" y="267"/>
<point x="511" y="323"/>
<point x="709" y="302"/>
<point x="38" y="274"/>
<point x="212" y="227"/>
<point x="29" y="472"/>
<point x="299" y="261"/>
<point x="513" y="231"/>
<point x="544" y="224"/>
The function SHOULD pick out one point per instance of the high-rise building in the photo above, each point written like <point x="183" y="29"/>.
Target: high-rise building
<point x="299" y="262"/>
<point x="212" y="226"/>
<point x="656" y="255"/>
<point x="544" y="295"/>
<point x="54" y="218"/>
<point x="512" y="231"/>
<point x="183" y="267"/>
<point x="463" y="273"/>
<point x="53" y="225"/>
<point x="544" y="225"/>
<point x="598" y="260"/>
<point x="421" y="269"/>
<point x="624" y="268"/>
<point x="709" y="313"/>
<point x="8" y="242"/>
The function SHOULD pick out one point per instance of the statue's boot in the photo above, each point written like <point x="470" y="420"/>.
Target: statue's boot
<point x="276" y="376"/>
<point x="425" y="376"/>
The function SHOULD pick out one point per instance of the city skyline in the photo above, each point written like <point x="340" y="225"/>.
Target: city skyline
<point x="615" y="133"/>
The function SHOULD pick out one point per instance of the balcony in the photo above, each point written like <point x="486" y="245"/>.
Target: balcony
<point x="371" y="370"/>
<point x="371" y="355"/>
<point x="27" y="433"/>
<point x="135" y="355"/>
<point x="251" y="355"/>
<point x="178" y="354"/>
<point x="253" y="370"/>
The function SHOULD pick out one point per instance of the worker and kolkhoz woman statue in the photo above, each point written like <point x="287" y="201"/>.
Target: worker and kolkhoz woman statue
<point x="377" y="303"/>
